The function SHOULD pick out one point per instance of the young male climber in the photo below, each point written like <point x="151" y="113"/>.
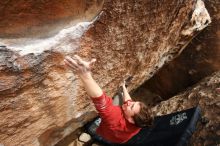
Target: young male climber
<point x="119" y="124"/>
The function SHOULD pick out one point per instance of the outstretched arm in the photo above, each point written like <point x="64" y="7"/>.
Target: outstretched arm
<point x="83" y="69"/>
<point x="126" y="95"/>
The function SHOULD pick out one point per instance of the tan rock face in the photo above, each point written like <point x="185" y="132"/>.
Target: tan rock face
<point x="41" y="102"/>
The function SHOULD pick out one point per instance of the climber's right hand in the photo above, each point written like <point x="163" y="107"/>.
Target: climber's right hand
<point x="78" y="65"/>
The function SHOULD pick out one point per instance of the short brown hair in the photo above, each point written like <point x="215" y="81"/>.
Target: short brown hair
<point x="144" y="117"/>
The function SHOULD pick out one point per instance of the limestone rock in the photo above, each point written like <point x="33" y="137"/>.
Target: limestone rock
<point x="41" y="102"/>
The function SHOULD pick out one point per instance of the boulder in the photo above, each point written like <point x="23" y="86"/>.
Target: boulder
<point x="41" y="101"/>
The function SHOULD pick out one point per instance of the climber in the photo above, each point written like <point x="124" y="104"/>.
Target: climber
<point x="119" y="124"/>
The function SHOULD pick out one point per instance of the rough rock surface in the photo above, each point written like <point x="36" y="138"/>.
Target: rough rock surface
<point x="199" y="59"/>
<point x="40" y="101"/>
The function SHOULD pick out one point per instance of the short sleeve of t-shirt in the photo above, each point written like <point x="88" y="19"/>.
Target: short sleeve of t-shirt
<point x="109" y="113"/>
<point x="113" y="127"/>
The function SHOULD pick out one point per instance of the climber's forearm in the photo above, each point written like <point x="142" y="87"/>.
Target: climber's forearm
<point x="92" y="88"/>
<point x="126" y="95"/>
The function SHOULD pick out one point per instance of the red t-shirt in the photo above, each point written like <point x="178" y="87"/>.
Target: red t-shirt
<point x="113" y="127"/>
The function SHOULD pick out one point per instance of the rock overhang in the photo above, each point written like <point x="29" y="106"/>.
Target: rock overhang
<point x="54" y="92"/>
<point x="32" y="27"/>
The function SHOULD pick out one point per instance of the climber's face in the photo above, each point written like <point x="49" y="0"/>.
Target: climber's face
<point x="130" y="108"/>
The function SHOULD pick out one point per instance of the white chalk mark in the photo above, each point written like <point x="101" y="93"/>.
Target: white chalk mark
<point x="67" y="39"/>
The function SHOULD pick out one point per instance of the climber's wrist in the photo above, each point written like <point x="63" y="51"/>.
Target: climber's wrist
<point x="85" y="75"/>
